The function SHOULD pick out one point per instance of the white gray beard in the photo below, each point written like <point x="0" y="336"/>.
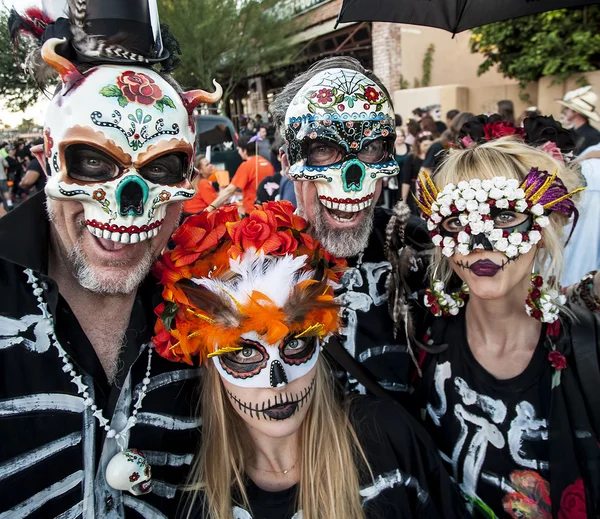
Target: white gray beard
<point x="342" y="243"/>
<point x="92" y="280"/>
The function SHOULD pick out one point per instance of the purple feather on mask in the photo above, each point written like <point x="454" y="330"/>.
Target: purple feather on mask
<point x="534" y="182"/>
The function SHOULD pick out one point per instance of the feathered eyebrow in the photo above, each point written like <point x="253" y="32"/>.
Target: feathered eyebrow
<point x="314" y="330"/>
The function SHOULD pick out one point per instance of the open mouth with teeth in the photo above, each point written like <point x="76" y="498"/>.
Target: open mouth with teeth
<point x="122" y="234"/>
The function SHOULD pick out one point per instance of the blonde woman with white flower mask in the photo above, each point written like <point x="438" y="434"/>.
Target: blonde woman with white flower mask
<point x="501" y="379"/>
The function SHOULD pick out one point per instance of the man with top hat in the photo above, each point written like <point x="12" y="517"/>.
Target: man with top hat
<point x="93" y="423"/>
<point x="580" y="107"/>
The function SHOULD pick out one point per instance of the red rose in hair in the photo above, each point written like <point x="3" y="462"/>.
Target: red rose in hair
<point x="137" y="87"/>
<point x="572" y="502"/>
<point x="499" y="129"/>
<point x="284" y="215"/>
<point x="557" y="359"/>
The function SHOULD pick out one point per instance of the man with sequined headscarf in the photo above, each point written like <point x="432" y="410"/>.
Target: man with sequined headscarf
<point x="94" y="424"/>
<point x="338" y="126"/>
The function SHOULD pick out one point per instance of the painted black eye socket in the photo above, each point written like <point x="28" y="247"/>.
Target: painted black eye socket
<point x="509" y="219"/>
<point x="168" y="169"/>
<point x="247" y="362"/>
<point x="88" y="164"/>
<point x="320" y="153"/>
<point x="298" y="351"/>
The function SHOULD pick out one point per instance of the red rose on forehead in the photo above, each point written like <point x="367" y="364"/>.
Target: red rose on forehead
<point x="138" y="87"/>
<point x="557" y="359"/>
<point x="499" y="129"/>
<point x="572" y="502"/>
<point x="371" y="94"/>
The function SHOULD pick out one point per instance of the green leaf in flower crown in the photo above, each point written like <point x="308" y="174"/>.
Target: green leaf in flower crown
<point x="169" y="314"/>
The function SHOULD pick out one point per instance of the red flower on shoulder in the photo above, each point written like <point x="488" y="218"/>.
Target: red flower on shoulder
<point x="572" y="502"/>
<point x="557" y="359"/>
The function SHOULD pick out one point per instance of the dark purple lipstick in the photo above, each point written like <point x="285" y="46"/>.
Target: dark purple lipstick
<point x="484" y="268"/>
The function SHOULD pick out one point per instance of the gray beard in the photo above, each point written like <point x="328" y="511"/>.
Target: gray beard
<point x="342" y="243"/>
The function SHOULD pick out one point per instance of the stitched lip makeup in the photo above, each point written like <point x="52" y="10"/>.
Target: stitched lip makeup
<point x="484" y="268"/>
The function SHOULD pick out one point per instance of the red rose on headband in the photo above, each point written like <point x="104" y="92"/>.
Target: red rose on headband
<point x="499" y="129"/>
<point x="137" y="87"/>
<point x="572" y="502"/>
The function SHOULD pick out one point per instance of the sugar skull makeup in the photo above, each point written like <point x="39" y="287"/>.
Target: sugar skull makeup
<point x="340" y="134"/>
<point x="120" y="140"/>
<point x="493" y="214"/>
<point x="252" y="295"/>
<point x="261" y="365"/>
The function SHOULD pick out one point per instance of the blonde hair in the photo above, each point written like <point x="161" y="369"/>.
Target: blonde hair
<point x="331" y="457"/>
<point x="509" y="158"/>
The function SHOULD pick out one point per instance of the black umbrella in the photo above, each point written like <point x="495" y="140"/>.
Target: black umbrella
<point x="452" y="15"/>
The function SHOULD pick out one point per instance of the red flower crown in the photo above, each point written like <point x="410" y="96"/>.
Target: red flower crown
<point x="204" y="244"/>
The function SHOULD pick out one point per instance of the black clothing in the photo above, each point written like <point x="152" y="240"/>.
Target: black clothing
<point x="441" y="127"/>
<point x="40" y="183"/>
<point x="523" y="447"/>
<point x="586" y="136"/>
<point x="410" y="481"/>
<point x="409" y="173"/>
<point x="434" y="156"/>
<point x="503" y="421"/>
<point x="53" y="453"/>
<point x="268" y="189"/>
<point x="367" y="326"/>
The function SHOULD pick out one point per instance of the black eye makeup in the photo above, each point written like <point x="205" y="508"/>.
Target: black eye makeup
<point x="247" y="362"/>
<point x="167" y="169"/>
<point x="507" y="219"/>
<point x="88" y="164"/>
<point x="297" y="351"/>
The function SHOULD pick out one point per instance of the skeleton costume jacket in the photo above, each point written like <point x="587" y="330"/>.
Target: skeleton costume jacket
<point x="53" y="453"/>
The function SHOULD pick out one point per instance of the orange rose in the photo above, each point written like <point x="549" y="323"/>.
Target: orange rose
<point x="284" y="214"/>
<point x="287" y="244"/>
<point x="137" y="87"/>
<point x="254" y="231"/>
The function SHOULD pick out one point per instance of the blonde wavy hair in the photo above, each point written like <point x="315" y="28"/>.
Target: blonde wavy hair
<point x="510" y="158"/>
<point x="331" y="457"/>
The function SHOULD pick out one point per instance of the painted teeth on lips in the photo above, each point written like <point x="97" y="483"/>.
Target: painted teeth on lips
<point x="348" y="205"/>
<point x="122" y="234"/>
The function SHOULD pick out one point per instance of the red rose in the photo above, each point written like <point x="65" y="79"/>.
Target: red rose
<point x="554" y="329"/>
<point x="371" y="94"/>
<point x="254" y="231"/>
<point x="137" y="87"/>
<point x="284" y="215"/>
<point x="162" y="344"/>
<point x="572" y="502"/>
<point x="158" y="311"/>
<point x="558" y="361"/>
<point x="287" y="244"/>
<point x="324" y="96"/>
<point x="499" y="129"/>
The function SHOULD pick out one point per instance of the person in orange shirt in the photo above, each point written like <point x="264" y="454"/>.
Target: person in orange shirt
<point x="205" y="192"/>
<point x="247" y="178"/>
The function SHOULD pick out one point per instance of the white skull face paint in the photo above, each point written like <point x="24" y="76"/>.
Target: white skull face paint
<point x="261" y="365"/>
<point x="121" y="142"/>
<point x="340" y="134"/>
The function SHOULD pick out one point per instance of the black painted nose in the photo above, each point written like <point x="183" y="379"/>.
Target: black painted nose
<point x="278" y="377"/>
<point x="479" y="241"/>
<point x="131" y="200"/>
<point x="354" y="176"/>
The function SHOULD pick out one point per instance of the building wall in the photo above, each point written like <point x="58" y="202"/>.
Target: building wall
<point x="387" y="55"/>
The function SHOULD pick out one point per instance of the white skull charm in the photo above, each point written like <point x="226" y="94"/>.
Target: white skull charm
<point x="129" y="470"/>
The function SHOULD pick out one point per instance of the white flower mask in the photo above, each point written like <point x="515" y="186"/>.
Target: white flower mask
<point x="345" y="109"/>
<point x="492" y="214"/>
<point x="120" y="140"/>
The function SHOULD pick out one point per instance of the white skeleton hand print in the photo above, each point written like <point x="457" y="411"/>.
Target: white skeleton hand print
<point x="483" y="423"/>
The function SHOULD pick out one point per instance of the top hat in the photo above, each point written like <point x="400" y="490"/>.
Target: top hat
<point x="583" y="101"/>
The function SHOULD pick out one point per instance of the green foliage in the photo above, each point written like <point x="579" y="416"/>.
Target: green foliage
<point x="560" y="43"/>
<point x="228" y="40"/>
<point x="404" y="84"/>
<point x="17" y="89"/>
<point x="427" y="63"/>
